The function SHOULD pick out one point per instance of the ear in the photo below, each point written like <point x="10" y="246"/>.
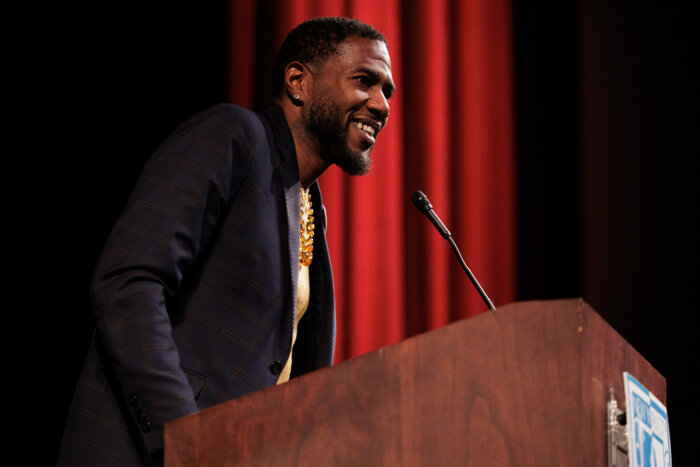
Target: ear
<point x="297" y="81"/>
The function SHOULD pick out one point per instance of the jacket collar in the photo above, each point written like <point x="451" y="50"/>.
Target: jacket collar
<point x="281" y="135"/>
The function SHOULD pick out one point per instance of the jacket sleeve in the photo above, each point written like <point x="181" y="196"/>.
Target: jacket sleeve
<point x="175" y="207"/>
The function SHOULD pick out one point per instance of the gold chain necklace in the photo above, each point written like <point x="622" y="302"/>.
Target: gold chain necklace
<point x="306" y="243"/>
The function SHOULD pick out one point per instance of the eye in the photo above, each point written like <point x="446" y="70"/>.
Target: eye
<point x="369" y="80"/>
<point x="364" y="80"/>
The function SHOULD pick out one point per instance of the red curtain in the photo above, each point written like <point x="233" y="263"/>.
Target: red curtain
<point x="450" y="134"/>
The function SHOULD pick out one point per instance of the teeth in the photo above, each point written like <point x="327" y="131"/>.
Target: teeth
<point x="365" y="128"/>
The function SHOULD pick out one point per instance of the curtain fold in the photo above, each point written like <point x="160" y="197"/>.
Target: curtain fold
<point x="450" y="134"/>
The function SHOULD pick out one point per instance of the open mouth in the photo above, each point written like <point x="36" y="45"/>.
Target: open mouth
<point x="369" y="129"/>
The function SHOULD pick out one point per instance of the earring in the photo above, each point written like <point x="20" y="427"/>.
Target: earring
<point x="297" y="97"/>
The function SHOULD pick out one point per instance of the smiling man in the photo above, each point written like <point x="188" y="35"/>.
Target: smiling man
<point x="336" y="106"/>
<point x="216" y="282"/>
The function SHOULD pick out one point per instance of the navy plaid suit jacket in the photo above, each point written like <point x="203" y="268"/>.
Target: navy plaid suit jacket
<point x="194" y="294"/>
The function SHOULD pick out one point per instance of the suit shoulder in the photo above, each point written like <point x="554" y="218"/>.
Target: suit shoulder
<point x="231" y="116"/>
<point x="232" y="112"/>
<point x="217" y="137"/>
<point x="219" y="124"/>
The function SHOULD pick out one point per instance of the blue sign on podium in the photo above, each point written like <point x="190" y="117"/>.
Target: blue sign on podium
<point x="647" y="426"/>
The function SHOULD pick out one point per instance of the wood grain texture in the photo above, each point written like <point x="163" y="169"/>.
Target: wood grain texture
<point x="524" y="385"/>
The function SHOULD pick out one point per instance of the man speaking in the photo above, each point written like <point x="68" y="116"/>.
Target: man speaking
<point x="216" y="280"/>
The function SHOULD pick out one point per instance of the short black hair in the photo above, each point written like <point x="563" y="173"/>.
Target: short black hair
<point x="315" y="40"/>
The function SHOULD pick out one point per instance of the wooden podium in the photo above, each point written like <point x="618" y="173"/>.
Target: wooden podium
<point x="526" y="384"/>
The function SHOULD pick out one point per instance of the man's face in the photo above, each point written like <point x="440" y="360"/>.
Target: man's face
<point x="349" y="103"/>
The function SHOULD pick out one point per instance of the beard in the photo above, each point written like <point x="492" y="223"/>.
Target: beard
<point x="324" y="121"/>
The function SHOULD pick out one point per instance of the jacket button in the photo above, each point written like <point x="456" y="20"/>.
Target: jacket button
<point x="276" y="368"/>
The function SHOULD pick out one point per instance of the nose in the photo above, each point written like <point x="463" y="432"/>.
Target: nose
<point x="378" y="105"/>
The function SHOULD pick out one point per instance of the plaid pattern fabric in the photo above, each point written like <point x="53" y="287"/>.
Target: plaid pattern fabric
<point x="194" y="293"/>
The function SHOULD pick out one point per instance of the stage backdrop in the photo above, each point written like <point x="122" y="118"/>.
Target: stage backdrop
<point x="450" y="135"/>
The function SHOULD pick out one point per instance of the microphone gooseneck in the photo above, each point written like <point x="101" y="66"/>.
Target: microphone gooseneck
<point x="423" y="204"/>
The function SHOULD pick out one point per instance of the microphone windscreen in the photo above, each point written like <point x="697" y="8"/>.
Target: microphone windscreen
<point x="421" y="201"/>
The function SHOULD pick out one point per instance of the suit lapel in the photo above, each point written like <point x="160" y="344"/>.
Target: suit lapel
<point x="281" y="142"/>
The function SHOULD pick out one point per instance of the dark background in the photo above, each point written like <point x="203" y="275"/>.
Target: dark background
<point x="606" y="120"/>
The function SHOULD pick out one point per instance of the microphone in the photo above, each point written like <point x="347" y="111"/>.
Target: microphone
<point x="421" y="202"/>
<point x="424" y="206"/>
